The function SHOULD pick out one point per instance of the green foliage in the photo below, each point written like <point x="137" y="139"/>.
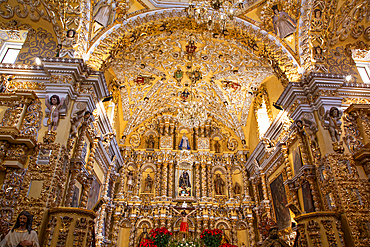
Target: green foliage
<point x="211" y="238"/>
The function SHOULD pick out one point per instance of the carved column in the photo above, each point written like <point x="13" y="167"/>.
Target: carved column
<point x="197" y="179"/>
<point x="72" y="182"/>
<point x="315" y="194"/>
<point x="228" y="181"/>
<point x="121" y="188"/>
<point x="164" y="179"/>
<point x="204" y="181"/>
<point x="245" y="184"/>
<point x="252" y="235"/>
<point x="210" y="181"/>
<point x="138" y="183"/>
<point x="170" y="180"/>
<point x="157" y="180"/>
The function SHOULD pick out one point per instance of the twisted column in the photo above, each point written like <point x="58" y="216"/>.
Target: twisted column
<point x="210" y="181"/>
<point x="72" y="182"/>
<point x="197" y="180"/>
<point x="204" y="190"/>
<point x="228" y="181"/>
<point x="170" y="182"/>
<point x="164" y="179"/>
<point x="158" y="180"/>
<point x="121" y="188"/>
<point x="315" y="194"/>
<point x="252" y="235"/>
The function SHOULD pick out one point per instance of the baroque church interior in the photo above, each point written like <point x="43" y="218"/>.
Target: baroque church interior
<point x="117" y="114"/>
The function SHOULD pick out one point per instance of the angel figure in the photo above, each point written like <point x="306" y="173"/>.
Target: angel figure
<point x="333" y="116"/>
<point x="53" y="104"/>
<point x="311" y="129"/>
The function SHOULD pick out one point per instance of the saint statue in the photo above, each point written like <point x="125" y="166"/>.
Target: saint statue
<point x="184" y="143"/>
<point x="148" y="184"/>
<point x="22" y="233"/>
<point x="237" y="189"/>
<point x="184" y="184"/>
<point x="217" y="147"/>
<point x="219" y="185"/>
<point x="273" y="239"/>
<point x="178" y="75"/>
<point x="284" y="25"/>
<point x="53" y="106"/>
<point x="130" y="181"/>
<point x="144" y="235"/>
<point x="150" y="142"/>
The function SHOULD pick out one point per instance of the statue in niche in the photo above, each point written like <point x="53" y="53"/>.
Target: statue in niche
<point x="53" y="104"/>
<point x="217" y="147"/>
<point x="284" y="25"/>
<point x="237" y="189"/>
<point x="273" y="239"/>
<point x="148" y="184"/>
<point x="219" y="185"/>
<point x="184" y="143"/>
<point x="150" y="142"/>
<point x="144" y="235"/>
<point x="333" y="117"/>
<point x="130" y="181"/>
<point x="184" y="184"/>
<point x="317" y="54"/>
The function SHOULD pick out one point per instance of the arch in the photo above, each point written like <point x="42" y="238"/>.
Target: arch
<point x="143" y="221"/>
<point x="151" y="132"/>
<point x="125" y="223"/>
<point x="148" y="165"/>
<point x="129" y="26"/>
<point x="219" y="168"/>
<point x="241" y="225"/>
<point x="222" y="224"/>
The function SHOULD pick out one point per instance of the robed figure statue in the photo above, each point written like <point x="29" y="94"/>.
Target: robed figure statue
<point x="184" y="143"/>
<point x="184" y="184"/>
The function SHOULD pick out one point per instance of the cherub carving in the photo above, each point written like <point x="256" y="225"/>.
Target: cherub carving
<point x="333" y="117"/>
<point x="53" y="104"/>
<point x="311" y="129"/>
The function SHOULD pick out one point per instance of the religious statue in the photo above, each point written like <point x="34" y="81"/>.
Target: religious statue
<point x="148" y="184"/>
<point x="194" y="76"/>
<point x="184" y="95"/>
<point x="103" y="14"/>
<point x="178" y="75"/>
<point x="217" y="147"/>
<point x="78" y="115"/>
<point x="144" y="235"/>
<point x="284" y="25"/>
<point x="184" y="184"/>
<point x="53" y="106"/>
<point x="219" y="185"/>
<point x="273" y="239"/>
<point x="190" y="49"/>
<point x="311" y="129"/>
<point x="130" y="181"/>
<point x="184" y="143"/>
<point x="22" y="233"/>
<point x="333" y="117"/>
<point x="237" y="189"/>
<point x="150" y="142"/>
<point x="184" y="227"/>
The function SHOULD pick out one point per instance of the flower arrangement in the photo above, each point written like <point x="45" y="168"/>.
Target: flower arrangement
<point x="176" y="243"/>
<point x="147" y="243"/>
<point x="160" y="236"/>
<point x="211" y="238"/>
<point x="228" y="245"/>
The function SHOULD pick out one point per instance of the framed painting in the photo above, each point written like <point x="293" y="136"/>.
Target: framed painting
<point x="297" y="160"/>
<point x="75" y="197"/>
<point x="279" y="200"/>
<point x="93" y="194"/>
<point x="307" y="198"/>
